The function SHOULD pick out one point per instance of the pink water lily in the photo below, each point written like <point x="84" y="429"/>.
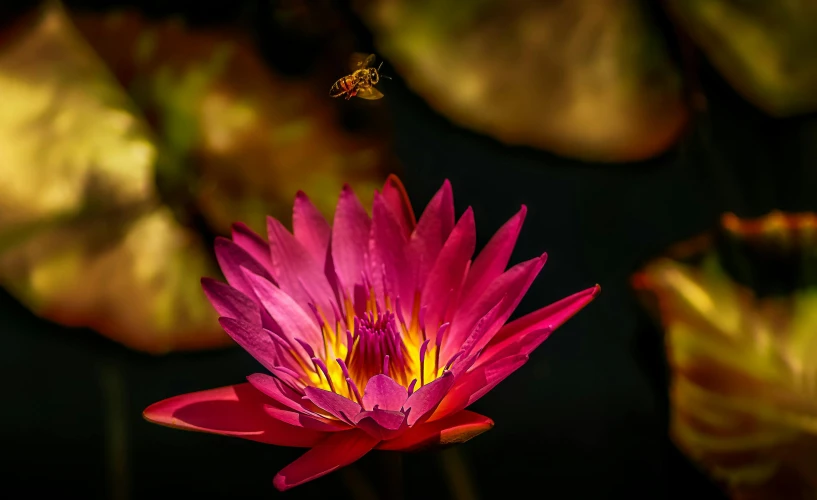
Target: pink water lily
<point x="377" y="331"/>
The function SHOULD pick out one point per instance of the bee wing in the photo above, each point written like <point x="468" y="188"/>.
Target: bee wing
<point x="371" y="94"/>
<point x="359" y="60"/>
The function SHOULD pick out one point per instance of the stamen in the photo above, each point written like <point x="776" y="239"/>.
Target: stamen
<point x="352" y="387"/>
<point x="400" y="313"/>
<point x="325" y="371"/>
<point x="386" y="364"/>
<point x="451" y="361"/>
<point x="307" y="348"/>
<point x="438" y="346"/>
<point x="423" y="349"/>
<point x="421" y="320"/>
<point x="411" y="386"/>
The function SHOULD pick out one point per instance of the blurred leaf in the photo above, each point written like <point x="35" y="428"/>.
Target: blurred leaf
<point x="744" y="368"/>
<point x="766" y="50"/>
<point x="586" y="79"/>
<point x="107" y="191"/>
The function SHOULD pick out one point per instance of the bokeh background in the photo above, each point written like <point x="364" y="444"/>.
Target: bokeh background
<point x="133" y="133"/>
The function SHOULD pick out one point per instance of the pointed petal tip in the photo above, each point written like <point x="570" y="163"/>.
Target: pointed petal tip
<point x="596" y="290"/>
<point x="280" y="483"/>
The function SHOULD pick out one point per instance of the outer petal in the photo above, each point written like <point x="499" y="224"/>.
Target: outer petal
<point x="449" y="269"/>
<point x="252" y="339"/>
<point x="425" y="400"/>
<point x="384" y="392"/>
<point x="389" y="262"/>
<point x="337" y="450"/>
<point x="231" y="258"/>
<point x="235" y="410"/>
<point x="382" y="424"/>
<point x="277" y="391"/>
<point x="230" y="303"/>
<point x="525" y="334"/>
<point x="394" y="193"/>
<point x="310" y="227"/>
<point x="456" y="428"/>
<point x="343" y="408"/>
<point x="299" y="419"/>
<point x="253" y="244"/>
<point x="433" y="229"/>
<point x="350" y="240"/>
<point x="493" y="259"/>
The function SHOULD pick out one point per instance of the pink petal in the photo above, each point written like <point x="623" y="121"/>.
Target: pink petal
<point x="447" y="274"/>
<point x="343" y="408"/>
<point x="456" y="428"/>
<point x="252" y="339"/>
<point x="525" y="334"/>
<point x="350" y="240"/>
<point x="384" y="392"/>
<point x="235" y="410"/>
<point x="310" y="227"/>
<point x="231" y="258"/>
<point x="425" y="400"/>
<point x="506" y="290"/>
<point x="396" y="198"/>
<point x="231" y="303"/>
<point x="296" y="272"/>
<point x="253" y="244"/>
<point x="337" y="450"/>
<point x="476" y="383"/>
<point x="388" y="255"/>
<point x="295" y="323"/>
<point x="277" y="391"/>
<point x="493" y="259"/>
<point x="432" y="231"/>
<point x="381" y="424"/>
<point x="298" y="419"/>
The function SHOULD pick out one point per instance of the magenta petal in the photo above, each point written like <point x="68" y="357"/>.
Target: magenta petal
<point x="425" y="400"/>
<point x="298" y="419"/>
<point x="384" y="392"/>
<point x="252" y="339"/>
<point x="295" y="323"/>
<point x="382" y="424"/>
<point x="253" y="244"/>
<point x="350" y="240"/>
<point x="310" y="227"/>
<point x="337" y="450"/>
<point x="433" y="229"/>
<point x="525" y="334"/>
<point x="397" y="200"/>
<point x="453" y="429"/>
<point x="493" y="259"/>
<point x="231" y="303"/>
<point x="389" y="262"/>
<point x="296" y="272"/>
<point x="446" y="275"/>
<point x="231" y="258"/>
<point x="235" y="410"/>
<point x="343" y="408"/>
<point x="277" y="390"/>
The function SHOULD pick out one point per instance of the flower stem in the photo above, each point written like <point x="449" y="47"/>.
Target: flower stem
<point x="459" y="479"/>
<point x="116" y="439"/>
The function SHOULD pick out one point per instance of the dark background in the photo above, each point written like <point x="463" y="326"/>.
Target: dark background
<point x="585" y="418"/>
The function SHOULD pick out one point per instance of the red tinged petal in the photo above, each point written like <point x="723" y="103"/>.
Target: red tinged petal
<point x="341" y="407"/>
<point x="447" y="274"/>
<point x="231" y="258"/>
<point x="310" y="227"/>
<point x="525" y="334"/>
<point x="424" y="401"/>
<point x="454" y="429"/>
<point x="305" y="421"/>
<point x="296" y="272"/>
<point x="337" y="450"/>
<point x="254" y="340"/>
<point x="396" y="197"/>
<point x="235" y="410"/>
<point x="389" y="263"/>
<point x="384" y="392"/>
<point x="350" y="240"/>
<point x="433" y="229"/>
<point x="230" y="303"/>
<point x="277" y="391"/>
<point x="253" y="244"/>
<point x="381" y="424"/>
<point x="494" y="258"/>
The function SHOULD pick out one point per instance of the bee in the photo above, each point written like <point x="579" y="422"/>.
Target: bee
<point x="362" y="80"/>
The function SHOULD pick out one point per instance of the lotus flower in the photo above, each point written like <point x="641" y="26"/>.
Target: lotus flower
<point x="378" y="332"/>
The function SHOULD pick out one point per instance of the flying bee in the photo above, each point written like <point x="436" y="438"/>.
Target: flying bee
<point x="362" y="80"/>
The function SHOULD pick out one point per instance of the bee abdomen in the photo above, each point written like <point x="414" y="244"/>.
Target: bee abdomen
<point x="341" y="87"/>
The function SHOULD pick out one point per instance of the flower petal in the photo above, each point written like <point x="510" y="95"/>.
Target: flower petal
<point x="231" y="258"/>
<point x="433" y="229"/>
<point x="384" y="392"/>
<point x="446" y="276"/>
<point x="230" y="303"/>
<point x="525" y="334"/>
<point x="252" y="339"/>
<point x="337" y="450"/>
<point x="296" y="272"/>
<point x="235" y="410"/>
<point x="389" y="263"/>
<point x="382" y="424"/>
<point x="310" y="227"/>
<point x="298" y="419"/>
<point x="277" y="391"/>
<point x="425" y="400"/>
<point x="494" y="258"/>
<point x="396" y="198"/>
<point x="456" y="428"/>
<point x="341" y="407"/>
<point x="506" y="291"/>
<point x="473" y="385"/>
<point x="253" y="244"/>
<point x="350" y="240"/>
